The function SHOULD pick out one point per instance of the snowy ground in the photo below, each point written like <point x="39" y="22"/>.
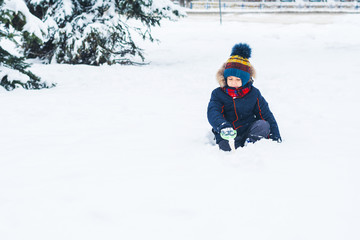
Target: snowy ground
<point x="122" y="152"/>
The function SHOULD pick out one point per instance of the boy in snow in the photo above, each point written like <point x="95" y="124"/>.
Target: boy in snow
<point x="237" y="110"/>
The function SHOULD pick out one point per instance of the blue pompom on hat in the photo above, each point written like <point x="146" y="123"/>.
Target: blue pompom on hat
<point x="238" y="64"/>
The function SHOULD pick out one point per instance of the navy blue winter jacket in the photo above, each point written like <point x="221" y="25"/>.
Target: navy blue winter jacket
<point x="239" y="113"/>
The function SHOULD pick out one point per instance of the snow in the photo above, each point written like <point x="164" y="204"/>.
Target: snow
<point x="10" y="47"/>
<point x="123" y="152"/>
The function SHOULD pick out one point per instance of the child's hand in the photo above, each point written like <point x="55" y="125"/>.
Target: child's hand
<point x="228" y="133"/>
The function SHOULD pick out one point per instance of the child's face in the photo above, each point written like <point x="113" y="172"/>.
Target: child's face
<point x="234" y="82"/>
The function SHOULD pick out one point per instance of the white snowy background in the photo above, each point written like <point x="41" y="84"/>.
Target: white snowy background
<point x="123" y="152"/>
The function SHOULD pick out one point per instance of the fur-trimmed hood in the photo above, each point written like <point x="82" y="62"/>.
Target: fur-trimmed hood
<point x="220" y="75"/>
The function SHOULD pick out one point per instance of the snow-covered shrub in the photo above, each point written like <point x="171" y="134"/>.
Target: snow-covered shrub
<point x="97" y="31"/>
<point x="14" y="26"/>
<point x="76" y="32"/>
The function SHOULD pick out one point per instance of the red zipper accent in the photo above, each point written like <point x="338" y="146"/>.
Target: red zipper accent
<point x="259" y="109"/>
<point x="236" y="116"/>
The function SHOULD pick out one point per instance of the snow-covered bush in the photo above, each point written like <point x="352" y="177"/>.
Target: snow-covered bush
<point x="97" y="31"/>
<point x="14" y="25"/>
<point x="76" y="32"/>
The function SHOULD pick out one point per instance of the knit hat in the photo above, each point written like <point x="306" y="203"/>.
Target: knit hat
<point x="238" y="64"/>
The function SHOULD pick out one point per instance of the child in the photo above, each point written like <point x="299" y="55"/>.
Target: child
<point x="237" y="105"/>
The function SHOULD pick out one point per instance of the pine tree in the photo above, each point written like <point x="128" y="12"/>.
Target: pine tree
<point x="13" y="71"/>
<point x="76" y="32"/>
<point x="97" y="31"/>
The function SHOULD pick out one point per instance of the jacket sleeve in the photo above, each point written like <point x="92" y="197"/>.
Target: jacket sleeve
<point x="262" y="111"/>
<point x="215" y="113"/>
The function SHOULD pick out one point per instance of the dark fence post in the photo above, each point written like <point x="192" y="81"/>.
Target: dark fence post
<point x="220" y="12"/>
